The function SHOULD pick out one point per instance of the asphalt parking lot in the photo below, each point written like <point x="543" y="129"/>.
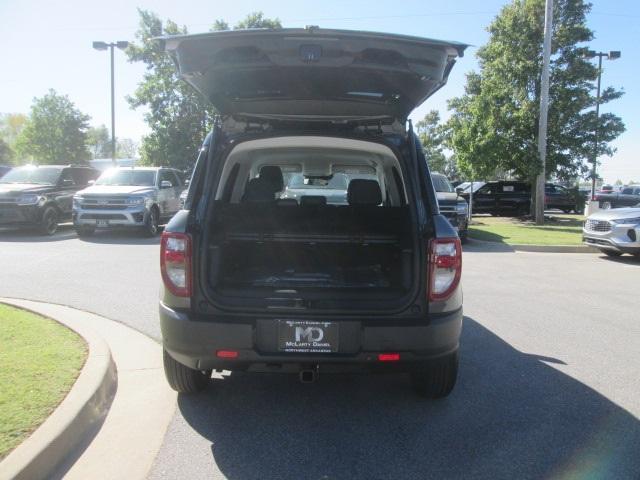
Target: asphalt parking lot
<point x="548" y="384"/>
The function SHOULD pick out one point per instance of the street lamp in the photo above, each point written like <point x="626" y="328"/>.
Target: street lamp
<point x="103" y="46"/>
<point x="612" y="55"/>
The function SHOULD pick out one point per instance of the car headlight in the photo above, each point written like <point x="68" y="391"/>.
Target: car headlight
<point x="29" y="199"/>
<point x="626" y="221"/>
<point x="462" y="207"/>
<point x="76" y="202"/>
<point x="135" y="200"/>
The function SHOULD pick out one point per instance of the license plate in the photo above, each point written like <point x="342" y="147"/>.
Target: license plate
<point x="102" y="223"/>
<point x="299" y="336"/>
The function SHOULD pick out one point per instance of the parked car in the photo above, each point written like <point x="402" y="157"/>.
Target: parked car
<point x="256" y="282"/>
<point x="502" y="198"/>
<point x="560" y="198"/>
<point x="614" y="231"/>
<point x="465" y="187"/>
<point x="333" y="189"/>
<point x="629" y="196"/>
<point x="138" y="197"/>
<point x="4" y="169"/>
<point x="452" y="206"/>
<point x="40" y="196"/>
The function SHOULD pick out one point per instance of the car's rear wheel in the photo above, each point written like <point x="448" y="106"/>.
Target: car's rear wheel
<point x="49" y="223"/>
<point x="435" y="378"/>
<point x="182" y="378"/>
<point x="611" y="253"/>
<point x="85" y="231"/>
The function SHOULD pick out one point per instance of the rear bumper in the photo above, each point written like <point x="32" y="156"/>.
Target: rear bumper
<point x="195" y="342"/>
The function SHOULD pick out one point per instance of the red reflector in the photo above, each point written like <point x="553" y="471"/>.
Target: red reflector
<point x="388" y="357"/>
<point x="227" y="354"/>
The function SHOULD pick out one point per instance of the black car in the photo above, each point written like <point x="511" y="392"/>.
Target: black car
<point x="41" y="196"/>
<point x="452" y="205"/>
<point x="257" y="281"/>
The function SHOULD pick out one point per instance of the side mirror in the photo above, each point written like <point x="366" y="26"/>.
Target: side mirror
<point x="459" y="191"/>
<point x="166" y="184"/>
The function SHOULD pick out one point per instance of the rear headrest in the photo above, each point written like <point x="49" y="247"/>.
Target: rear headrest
<point x="364" y="192"/>
<point x="273" y="175"/>
<point x="258" y="190"/>
<point x="312" y="201"/>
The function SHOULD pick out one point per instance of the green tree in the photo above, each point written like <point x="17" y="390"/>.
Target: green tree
<point x="11" y="124"/>
<point x="126" y="148"/>
<point x="433" y="137"/>
<point x="179" y="118"/>
<point x="55" y="132"/>
<point x="7" y="154"/>
<point x="257" y="20"/>
<point x="99" y="142"/>
<point x="494" y="125"/>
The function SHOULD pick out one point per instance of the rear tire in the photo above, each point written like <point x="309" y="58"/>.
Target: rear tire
<point x="436" y="378"/>
<point x="611" y="253"/>
<point x="182" y="378"/>
<point x="49" y="223"/>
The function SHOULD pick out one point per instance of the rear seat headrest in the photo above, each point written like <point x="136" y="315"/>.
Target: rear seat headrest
<point x="312" y="200"/>
<point x="273" y="175"/>
<point x="364" y="192"/>
<point x="258" y="190"/>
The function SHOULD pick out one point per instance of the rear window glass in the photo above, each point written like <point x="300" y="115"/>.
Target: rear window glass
<point x="441" y="184"/>
<point x="145" y="178"/>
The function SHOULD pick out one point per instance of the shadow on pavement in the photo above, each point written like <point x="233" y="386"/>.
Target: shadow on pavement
<point x="624" y="259"/>
<point x="497" y="246"/>
<point x="510" y="416"/>
<point x="65" y="232"/>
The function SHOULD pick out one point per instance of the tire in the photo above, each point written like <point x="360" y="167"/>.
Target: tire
<point x="611" y="253"/>
<point x="151" y="227"/>
<point x="182" y="378"/>
<point x="523" y="211"/>
<point x="436" y="378"/>
<point x="49" y="222"/>
<point x="463" y="236"/>
<point x="85" y="231"/>
<point x="606" y="206"/>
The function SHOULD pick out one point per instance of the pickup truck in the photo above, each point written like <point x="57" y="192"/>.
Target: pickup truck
<point x="628" y="197"/>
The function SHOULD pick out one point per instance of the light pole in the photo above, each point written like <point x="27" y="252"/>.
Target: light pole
<point x="612" y="55"/>
<point x="103" y="46"/>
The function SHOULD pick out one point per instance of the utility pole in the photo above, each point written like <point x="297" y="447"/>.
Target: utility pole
<point x="103" y="46"/>
<point x="544" y="109"/>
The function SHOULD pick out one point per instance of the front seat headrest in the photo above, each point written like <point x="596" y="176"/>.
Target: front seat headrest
<point x="273" y="175"/>
<point x="364" y="192"/>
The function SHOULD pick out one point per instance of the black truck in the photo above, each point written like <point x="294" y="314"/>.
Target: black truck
<point x="513" y="198"/>
<point x="629" y="196"/>
<point x="41" y="196"/>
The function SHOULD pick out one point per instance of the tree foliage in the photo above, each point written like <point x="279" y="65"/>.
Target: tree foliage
<point x="494" y="126"/>
<point x="7" y="154"/>
<point x="179" y="118"/>
<point x="433" y="137"/>
<point x="55" y="132"/>
<point x="99" y="142"/>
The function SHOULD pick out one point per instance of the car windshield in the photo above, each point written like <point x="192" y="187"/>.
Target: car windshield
<point x="145" y="178"/>
<point x="338" y="181"/>
<point x="34" y="175"/>
<point x="441" y="184"/>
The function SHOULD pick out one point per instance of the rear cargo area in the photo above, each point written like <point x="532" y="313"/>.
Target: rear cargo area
<point x="272" y="247"/>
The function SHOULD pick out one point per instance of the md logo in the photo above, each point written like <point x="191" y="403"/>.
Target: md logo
<point x="309" y="334"/>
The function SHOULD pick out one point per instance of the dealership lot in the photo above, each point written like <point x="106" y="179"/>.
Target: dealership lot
<point x="548" y="380"/>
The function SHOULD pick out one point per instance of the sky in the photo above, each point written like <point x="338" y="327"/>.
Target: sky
<point x="47" y="44"/>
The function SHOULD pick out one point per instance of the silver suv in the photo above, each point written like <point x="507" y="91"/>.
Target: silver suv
<point x="142" y="197"/>
<point x="614" y="231"/>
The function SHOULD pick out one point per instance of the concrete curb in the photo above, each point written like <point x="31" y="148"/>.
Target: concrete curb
<point x="76" y="420"/>
<point x="130" y="436"/>
<point x="537" y="248"/>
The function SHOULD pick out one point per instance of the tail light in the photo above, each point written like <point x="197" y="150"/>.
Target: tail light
<point x="445" y="267"/>
<point x="175" y="263"/>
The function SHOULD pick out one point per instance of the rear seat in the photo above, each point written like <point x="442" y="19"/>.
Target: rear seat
<point x="363" y="217"/>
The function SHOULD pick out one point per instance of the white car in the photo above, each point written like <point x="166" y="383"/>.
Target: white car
<point x="614" y="231"/>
